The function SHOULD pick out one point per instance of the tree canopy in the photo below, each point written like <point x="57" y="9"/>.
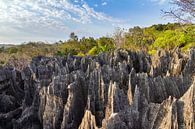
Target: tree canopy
<point x="165" y="36"/>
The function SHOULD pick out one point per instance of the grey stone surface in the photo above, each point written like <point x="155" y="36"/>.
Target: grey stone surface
<point x="117" y="90"/>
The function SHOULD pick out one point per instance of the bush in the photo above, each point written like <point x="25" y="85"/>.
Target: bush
<point x="12" y="50"/>
<point x="169" y="39"/>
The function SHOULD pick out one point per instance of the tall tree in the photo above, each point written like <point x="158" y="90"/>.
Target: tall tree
<point x="118" y="37"/>
<point x="183" y="10"/>
<point x="73" y="36"/>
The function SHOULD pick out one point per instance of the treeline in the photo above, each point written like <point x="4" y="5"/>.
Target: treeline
<point x="167" y="36"/>
<point x="149" y="39"/>
<point x="161" y="36"/>
<point x="85" y="46"/>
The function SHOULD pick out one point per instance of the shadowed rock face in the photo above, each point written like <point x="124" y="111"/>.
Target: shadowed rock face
<point x="118" y="90"/>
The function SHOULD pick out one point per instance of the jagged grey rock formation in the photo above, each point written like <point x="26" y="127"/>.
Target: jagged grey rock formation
<point x="116" y="90"/>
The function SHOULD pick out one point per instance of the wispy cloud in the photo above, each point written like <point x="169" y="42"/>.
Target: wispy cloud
<point x="159" y="1"/>
<point x="24" y="20"/>
<point x="49" y="13"/>
<point x="96" y="5"/>
<point x="104" y="3"/>
<point x="44" y="19"/>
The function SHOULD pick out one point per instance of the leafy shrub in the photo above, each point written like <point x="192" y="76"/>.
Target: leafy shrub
<point x="170" y="39"/>
<point x="12" y="50"/>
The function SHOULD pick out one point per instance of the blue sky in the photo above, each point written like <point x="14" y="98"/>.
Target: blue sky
<point x="53" y="20"/>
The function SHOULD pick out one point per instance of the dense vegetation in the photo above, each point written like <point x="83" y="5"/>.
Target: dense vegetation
<point x="166" y="36"/>
<point x="158" y="36"/>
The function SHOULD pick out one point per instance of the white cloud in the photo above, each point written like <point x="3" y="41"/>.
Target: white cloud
<point x="104" y="3"/>
<point x="96" y="5"/>
<point x="48" y="13"/>
<point x="159" y="1"/>
<point x="25" y="20"/>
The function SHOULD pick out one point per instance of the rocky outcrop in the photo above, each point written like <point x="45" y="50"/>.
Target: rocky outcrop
<point x="117" y="90"/>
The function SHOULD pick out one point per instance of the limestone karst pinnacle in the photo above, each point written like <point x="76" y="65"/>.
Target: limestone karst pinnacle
<point x="117" y="90"/>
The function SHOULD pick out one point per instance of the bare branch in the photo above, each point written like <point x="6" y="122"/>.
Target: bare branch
<point x="184" y="10"/>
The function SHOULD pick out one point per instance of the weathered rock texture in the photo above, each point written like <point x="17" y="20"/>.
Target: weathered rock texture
<point x="117" y="90"/>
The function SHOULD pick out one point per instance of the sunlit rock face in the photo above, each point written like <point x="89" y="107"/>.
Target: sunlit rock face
<point x="116" y="90"/>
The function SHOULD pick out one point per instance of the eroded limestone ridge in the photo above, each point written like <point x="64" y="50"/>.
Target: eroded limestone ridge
<point x="117" y="90"/>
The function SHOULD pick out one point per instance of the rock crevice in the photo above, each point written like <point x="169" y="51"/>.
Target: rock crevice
<point x="117" y="90"/>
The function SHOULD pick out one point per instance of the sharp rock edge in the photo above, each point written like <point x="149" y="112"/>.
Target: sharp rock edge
<point x="117" y="90"/>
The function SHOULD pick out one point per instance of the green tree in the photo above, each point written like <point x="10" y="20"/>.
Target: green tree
<point x="134" y="39"/>
<point x="73" y="36"/>
<point x="170" y="39"/>
<point x="2" y="49"/>
<point x="104" y="44"/>
<point x="12" y="50"/>
<point x="87" y="43"/>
